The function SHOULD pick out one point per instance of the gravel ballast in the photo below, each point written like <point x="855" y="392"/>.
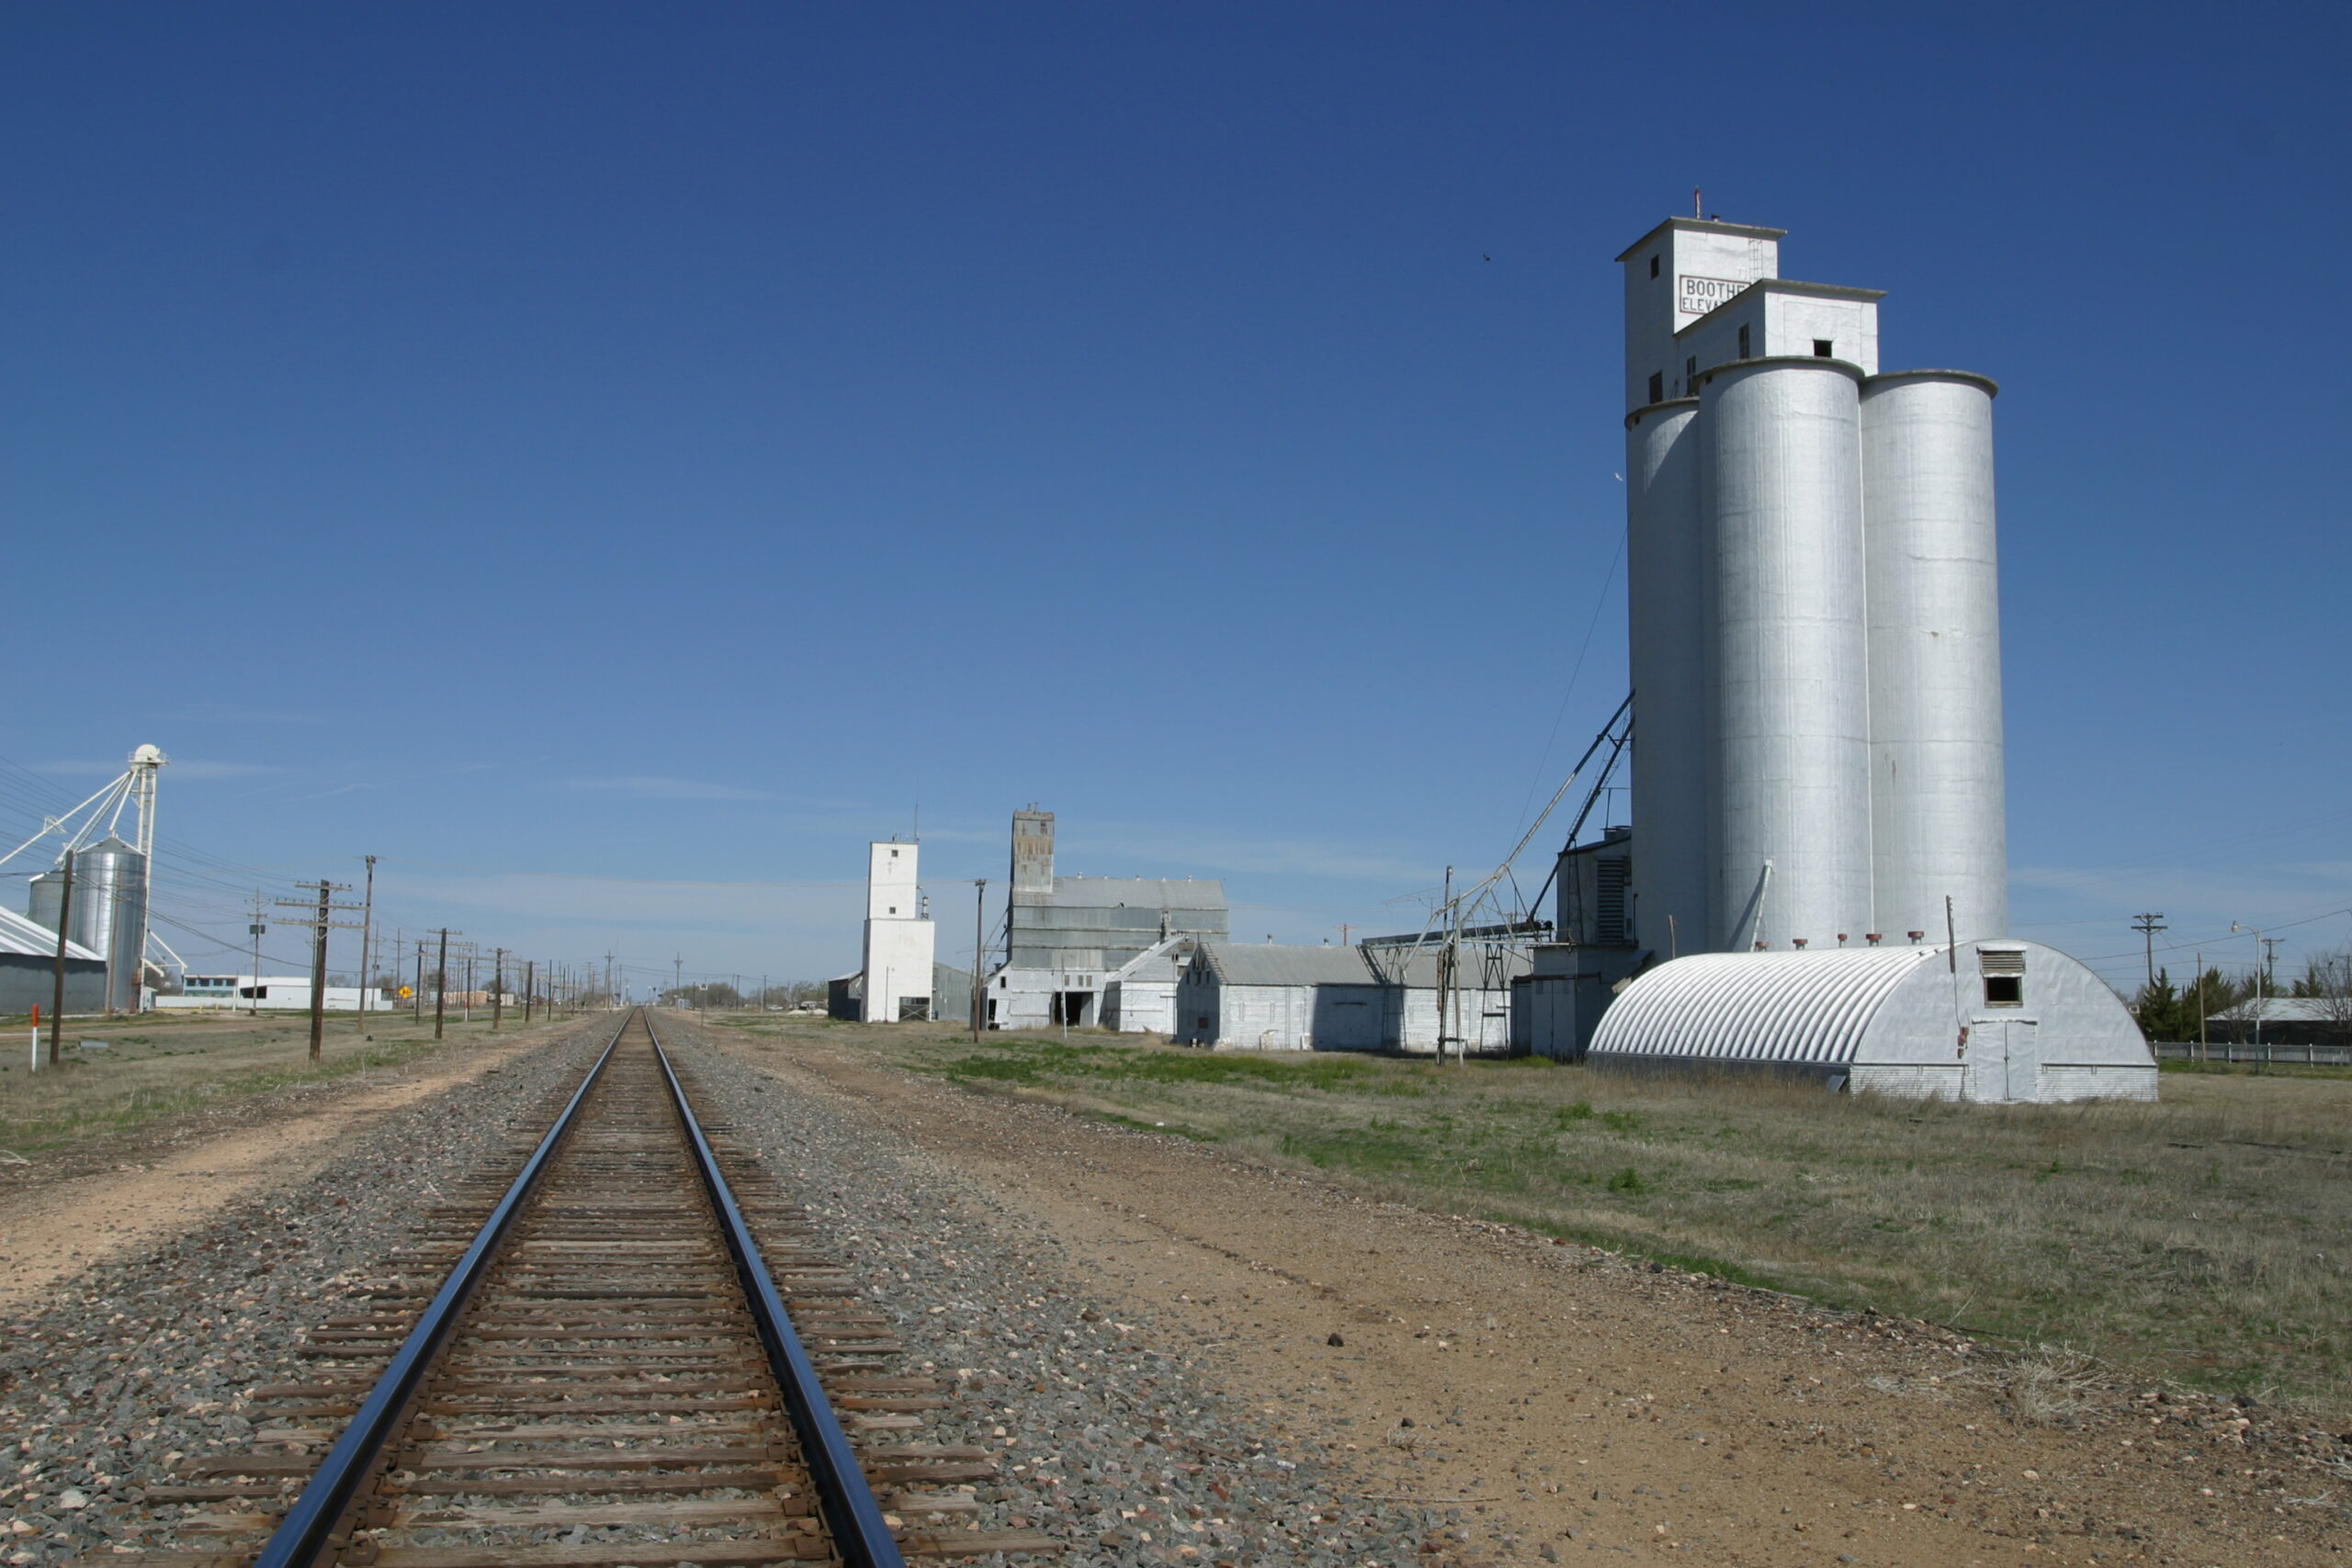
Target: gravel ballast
<point x="1110" y="1435"/>
<point x="143" y="1360"/>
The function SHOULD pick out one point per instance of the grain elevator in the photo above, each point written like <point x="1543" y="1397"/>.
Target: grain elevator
<point x="1820" y="850"/>
<point x="1815" y="619"/>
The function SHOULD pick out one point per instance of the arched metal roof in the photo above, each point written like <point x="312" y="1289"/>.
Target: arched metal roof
<point x="1756" y="1007"/>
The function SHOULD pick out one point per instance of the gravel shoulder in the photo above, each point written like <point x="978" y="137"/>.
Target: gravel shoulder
<point x="1550" y="1401"/>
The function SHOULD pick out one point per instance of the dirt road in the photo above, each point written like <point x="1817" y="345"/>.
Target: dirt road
<point x="1590" y="1406"/>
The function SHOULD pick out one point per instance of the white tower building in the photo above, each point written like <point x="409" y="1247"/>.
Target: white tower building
<point x="1815" y="622"/>
<point x="899" y="938"/>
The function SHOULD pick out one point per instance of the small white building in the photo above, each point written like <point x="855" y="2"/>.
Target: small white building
<point x="270" y="993"/>
<point x="1239" y="996"/>
<point x="1140" y="996"/>
<point x="2009" y="1021"/>
<point x="899" y="938"/>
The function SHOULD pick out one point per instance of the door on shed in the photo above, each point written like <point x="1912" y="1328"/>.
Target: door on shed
<point x="1991" y="1046"/>
<point x="2022" y="1043"/>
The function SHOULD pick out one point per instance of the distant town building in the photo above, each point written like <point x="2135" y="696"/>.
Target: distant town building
<point x="281" y="993"/>
<point x="1069" y="938"/>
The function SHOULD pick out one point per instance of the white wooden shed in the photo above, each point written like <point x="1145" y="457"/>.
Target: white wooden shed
<point x="2007" y="1020"/>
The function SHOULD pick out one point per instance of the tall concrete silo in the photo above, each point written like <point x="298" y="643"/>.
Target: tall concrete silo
<point x="109" y="909"/>
<point x="1814" y="620"/>
<point x="1937" y="775"/>
<point x="1781" y="490"/>
<point x="1668" y="593"/>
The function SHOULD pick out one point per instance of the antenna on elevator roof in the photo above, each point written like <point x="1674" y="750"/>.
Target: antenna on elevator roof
<point x="1695" y="203"/>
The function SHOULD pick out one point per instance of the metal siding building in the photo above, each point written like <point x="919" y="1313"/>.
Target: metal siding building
<point x="28" y="969"/>
<point x="1101" y="922"/>
<point x="1140" y="996"/>
<point x="1247" y="997"/>
<point x="1067" y="937"/>
<point x="2012" y="1021"/>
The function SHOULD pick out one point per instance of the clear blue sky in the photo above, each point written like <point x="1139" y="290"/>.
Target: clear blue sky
<point x="663" y="443"/>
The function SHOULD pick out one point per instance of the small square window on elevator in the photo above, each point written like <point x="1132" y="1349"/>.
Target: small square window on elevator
<point x="1658" y="386"/>
<point x="1824" y="348"/>
<point x="1743" y="352"/>
<point x="1653" y="267"/>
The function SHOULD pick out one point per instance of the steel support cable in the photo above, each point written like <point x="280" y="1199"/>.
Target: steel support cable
<point x="860" y="1536"/>
<point x="304" y="1537"/>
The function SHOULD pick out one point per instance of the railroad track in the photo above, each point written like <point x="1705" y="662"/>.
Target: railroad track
<point x="642" y="1356"/>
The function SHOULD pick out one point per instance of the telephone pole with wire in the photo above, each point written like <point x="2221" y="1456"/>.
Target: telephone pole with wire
<point x="2148" y="926"/>
<point x="322" y="920"/>
<point x="441" y="984"/>
<point x="980" y="951"/>
<point x="367" y="935"/>
<point x="252" y="990"/>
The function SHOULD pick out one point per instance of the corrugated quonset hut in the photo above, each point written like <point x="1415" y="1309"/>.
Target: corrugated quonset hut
<point x="2011" y="1021"/>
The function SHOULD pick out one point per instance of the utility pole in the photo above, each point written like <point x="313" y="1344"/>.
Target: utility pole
<point x="2258" y="942"/>
<point x="2148" y="926"/>
<point x="322" y="920"/>
<point x="497" y="988"/>
<point x="1444" y="964"/>
<point x="441" y="985"/>
<point x="1344" y="929"/>
<point x="980" y="951"/>
<point x="2203" y="1051"/>
<point x="678" y="973"/>
<point x="609" y="997"/>
<point x="57" y="992"/>
<point x="530" y="978"/>
<point x="367" y="935"/>
<point x="255" y="930"/>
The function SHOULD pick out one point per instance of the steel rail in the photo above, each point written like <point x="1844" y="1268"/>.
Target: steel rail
<point x="860" y="1536"/>
<point x="308" y="1530"/>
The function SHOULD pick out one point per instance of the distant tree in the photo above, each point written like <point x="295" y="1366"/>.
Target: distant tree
<point x="2158" y="1009"/>
<point x="2166" y="1012"/>
<point x="2327" y="980"/>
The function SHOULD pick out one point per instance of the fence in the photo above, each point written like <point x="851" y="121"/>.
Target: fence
<point x="2311" y="1055"/>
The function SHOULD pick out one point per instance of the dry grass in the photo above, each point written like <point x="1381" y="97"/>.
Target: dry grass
<point x="2206" y="1239"/>
<point x="158" y="1066"/>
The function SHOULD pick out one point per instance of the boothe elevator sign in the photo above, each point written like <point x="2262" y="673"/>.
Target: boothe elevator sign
<point x="1697" y="296"/>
